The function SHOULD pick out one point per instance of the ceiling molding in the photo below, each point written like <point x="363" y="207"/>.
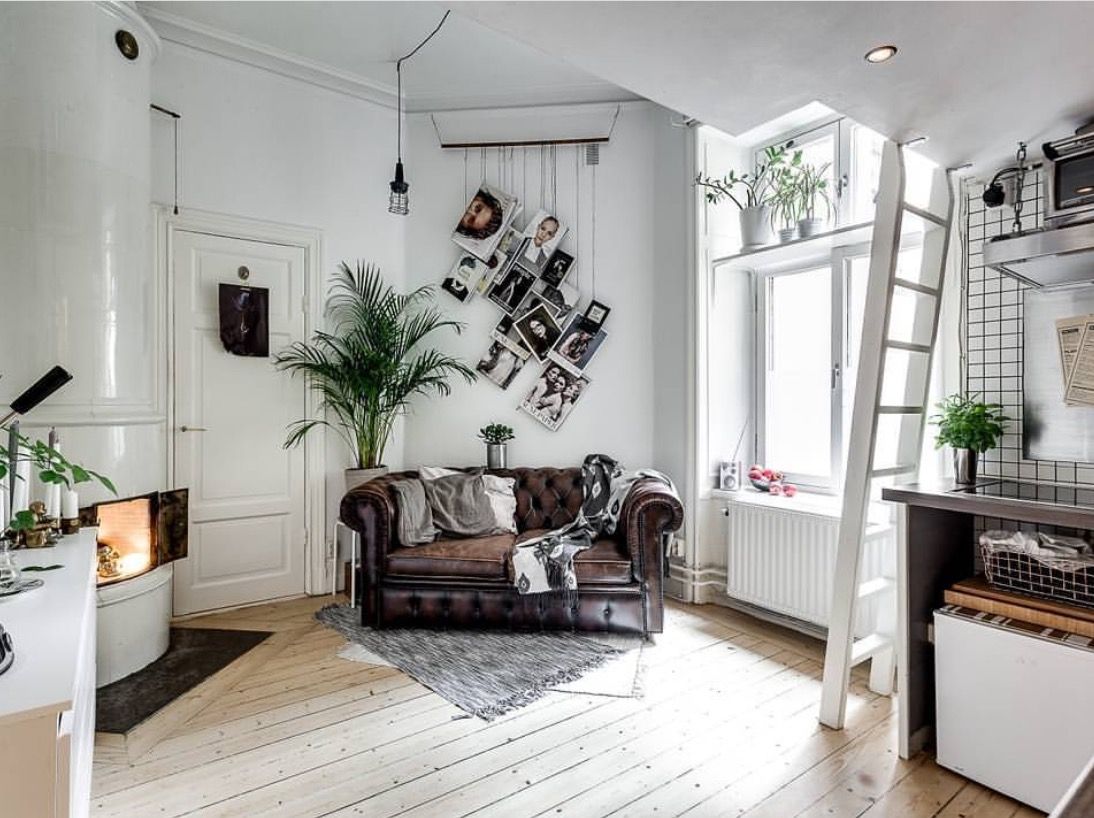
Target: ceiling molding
<point x="175" y="29"/>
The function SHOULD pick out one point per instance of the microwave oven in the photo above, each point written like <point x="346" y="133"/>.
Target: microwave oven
<point x="1069" y="179"/>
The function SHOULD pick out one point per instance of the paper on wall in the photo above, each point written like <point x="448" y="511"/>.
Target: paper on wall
<point x="1069" y="334"/>
<point x="1080" y="383"/>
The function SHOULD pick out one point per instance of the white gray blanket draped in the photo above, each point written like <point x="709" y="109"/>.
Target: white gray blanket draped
<point x="546" y="563"/>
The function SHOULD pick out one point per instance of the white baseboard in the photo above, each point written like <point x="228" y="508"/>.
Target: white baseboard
<point x="698" y="586"/>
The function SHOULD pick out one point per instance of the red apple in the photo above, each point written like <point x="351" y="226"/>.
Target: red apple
<point x="775" y="488"/>
<point x="790" y="489"/>
<point x="768" y="474"/>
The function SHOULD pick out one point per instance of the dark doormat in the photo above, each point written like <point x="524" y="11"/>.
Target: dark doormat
<point x="193" y="656"/>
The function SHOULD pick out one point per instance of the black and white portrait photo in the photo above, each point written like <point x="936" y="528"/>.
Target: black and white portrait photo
<point x="245" y="320"/>
<point x="539" y="331"/>
<point x="578" y="344"/>
<point x="459" y="281"/>
<point x="562" y="298"/>
<point x="484" y="221"/>
<point x="542" y="236"/>
<point x="509" y="290"/>
<point x="557" y="268"/>
<point x="500" y="364"/>
<point x="554" y="395"/>
<point x="506" y="334"/>
<point x="596" y="313"/>
<point x="499" y="263"/>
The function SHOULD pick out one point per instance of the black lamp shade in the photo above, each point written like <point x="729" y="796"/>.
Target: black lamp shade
<point x="399" y="199"/>
<point x="42" y="389"/>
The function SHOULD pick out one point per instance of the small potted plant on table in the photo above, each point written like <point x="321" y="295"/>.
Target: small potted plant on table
<point x="497" y="437"/>
<point x="969" y="427"/>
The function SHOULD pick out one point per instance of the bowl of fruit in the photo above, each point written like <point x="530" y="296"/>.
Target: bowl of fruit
<point x="771" y="481"/>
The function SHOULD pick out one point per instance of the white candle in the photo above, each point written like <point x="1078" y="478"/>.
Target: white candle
<point x="70" y="505"/>
<point x="53" y="500"/>
<point x="22" y="486"/>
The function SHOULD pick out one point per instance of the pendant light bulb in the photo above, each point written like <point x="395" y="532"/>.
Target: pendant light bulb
<point x="399" y="199"/>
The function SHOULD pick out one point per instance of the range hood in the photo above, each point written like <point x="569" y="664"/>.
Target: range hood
<point x="1045" y="258"/>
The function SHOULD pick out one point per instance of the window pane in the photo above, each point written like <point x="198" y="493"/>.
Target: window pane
<point x="797" y="414"/>
<point x="866" y="148"/>
<point x="819" y="152"/>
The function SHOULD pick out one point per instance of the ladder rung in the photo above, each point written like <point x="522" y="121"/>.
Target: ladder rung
<point x="911" y="285"/>
<point x="868" y="646"/>
<point x="891" y="470"/>
<point x="900" y="410"/>
<point x="924" y="348"/>
<point x="872" y="587"/>
<point x="926" y="215"/>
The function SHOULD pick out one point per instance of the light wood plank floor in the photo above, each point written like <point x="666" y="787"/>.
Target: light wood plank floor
<point x="727" y="727"/>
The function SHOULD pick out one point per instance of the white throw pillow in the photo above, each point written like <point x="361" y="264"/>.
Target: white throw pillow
<point x="498" y="489"/>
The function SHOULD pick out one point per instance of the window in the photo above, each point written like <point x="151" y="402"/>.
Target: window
<point x="809" y="323"/>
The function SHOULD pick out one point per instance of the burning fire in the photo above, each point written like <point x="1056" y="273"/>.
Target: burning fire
<point x="125" y="538"/>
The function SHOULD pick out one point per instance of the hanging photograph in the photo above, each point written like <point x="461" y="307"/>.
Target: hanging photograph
<point x="511" y="288"/>
<point x="458" y="282"/>
<point x="500" y="364"/>
<point x="539" y="331"/>
<point x="542" y="236"/>
<point x="554" y="395"/>
<point x="578" y="344"/>
<point x="484" y="221"/>
<point x="501" y="261"/>
<point x="506" y="334"/>
<point x="533" y="300"/>
<point x="557" y="268"/>
<point x="562" y="298"/>
<point x="596" y="314"/>
<point x="245" y="320"/>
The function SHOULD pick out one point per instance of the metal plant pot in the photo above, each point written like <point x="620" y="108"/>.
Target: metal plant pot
<point x="755" y="227"/>
<point x="964" y="466"/>
<point x="497" y="455"/>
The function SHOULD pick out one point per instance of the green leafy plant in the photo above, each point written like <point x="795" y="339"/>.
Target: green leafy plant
<point x="786" y="201"/>
<point x="759" y="187"/>
<point x="52" y="466"/>
<point x="496" y="433"/>
<point x="372" y="363"/>
<point x="812" y="184"/>
<point x="965" y="423"/>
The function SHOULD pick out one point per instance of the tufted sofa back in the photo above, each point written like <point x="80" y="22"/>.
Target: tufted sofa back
<point x="546" y="497"/>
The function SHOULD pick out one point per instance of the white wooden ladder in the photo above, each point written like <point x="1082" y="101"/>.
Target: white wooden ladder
<point x="900" y="322"/>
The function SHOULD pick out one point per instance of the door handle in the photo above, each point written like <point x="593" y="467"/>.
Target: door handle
<point x="193" y="429"/>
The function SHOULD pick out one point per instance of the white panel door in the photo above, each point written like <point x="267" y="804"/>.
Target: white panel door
<point x="247" y="512"/>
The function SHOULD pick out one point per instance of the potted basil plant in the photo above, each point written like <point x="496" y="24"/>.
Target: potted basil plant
<point x="970" y="427"/>
<point x="496" y="436"/>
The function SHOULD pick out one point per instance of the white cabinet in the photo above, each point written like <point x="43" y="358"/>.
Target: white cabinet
<point x="47" y="697"/>
<point x="1013" y="709"/>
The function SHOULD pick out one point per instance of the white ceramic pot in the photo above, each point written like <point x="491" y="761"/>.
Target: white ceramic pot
<point x="755" y="227"/>
<point x="787" y="234"/>
<point x="810" y="227"/>
<point x="356" y="477"/>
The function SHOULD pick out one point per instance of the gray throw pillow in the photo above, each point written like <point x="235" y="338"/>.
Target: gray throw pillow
<point x="461" y="507"/>
<point x="415" y="516"/>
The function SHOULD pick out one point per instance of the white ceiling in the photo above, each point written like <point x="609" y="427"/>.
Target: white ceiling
<point x="465" y="66"/>
<point x="974" y="77"/>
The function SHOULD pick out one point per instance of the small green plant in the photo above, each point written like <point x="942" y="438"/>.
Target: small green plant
<point x="759" y="187"/>
<point x="812" y="184"/>
<point x="52" y="466"/>
<point x="786" y="202"/>
<point x="965" y="423"/>
<point x="496" y="433"/>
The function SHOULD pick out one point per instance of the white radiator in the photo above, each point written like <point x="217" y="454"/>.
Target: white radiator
<point x="782" y="555"/>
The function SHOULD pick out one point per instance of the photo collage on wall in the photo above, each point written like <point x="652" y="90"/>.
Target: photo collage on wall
<point x="523" y="272"/>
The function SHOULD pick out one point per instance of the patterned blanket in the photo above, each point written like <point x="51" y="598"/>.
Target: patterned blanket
<point x="546" y="563"/>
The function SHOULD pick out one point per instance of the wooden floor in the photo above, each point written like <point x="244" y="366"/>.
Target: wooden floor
<point x="727" y="727"/>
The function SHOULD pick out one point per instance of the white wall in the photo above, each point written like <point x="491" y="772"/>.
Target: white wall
<point x="634" y="408"/>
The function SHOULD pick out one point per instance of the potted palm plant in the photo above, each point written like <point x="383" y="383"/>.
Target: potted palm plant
<point x="970" y="427"/>
<point x="812" y="183"/>
<point x="755" y="201"/>
<point x="371" y="364"/>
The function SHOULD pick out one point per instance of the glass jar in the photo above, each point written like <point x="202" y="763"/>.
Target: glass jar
<point x="9" y="571"/>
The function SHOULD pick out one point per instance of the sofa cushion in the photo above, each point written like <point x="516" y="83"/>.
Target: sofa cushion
<point x="606" y="562"/>
<point x="478" y="558"/>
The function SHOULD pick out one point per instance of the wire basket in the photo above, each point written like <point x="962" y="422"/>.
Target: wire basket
<point x="1034" y="565"/>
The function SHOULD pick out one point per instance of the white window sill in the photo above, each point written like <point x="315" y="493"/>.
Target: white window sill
<point x="804" y="502"/>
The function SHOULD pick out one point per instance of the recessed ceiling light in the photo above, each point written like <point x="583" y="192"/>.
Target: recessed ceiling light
<point x="881" y="53"/>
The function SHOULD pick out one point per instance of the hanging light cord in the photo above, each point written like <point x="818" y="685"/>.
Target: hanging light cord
<point x="399" y="81"/>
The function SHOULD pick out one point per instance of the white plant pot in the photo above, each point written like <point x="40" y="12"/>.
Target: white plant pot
<point x="357" y="477"/>
<point x="810" y="227"/>
<point x="787" y="234"/>
<point x="755" y="227"/>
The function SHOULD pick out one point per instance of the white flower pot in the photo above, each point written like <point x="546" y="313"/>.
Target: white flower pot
<point x="787" y="234"/>
<point x="810" y="227"/>
<point x="357" y="477"/>
<point x="755" y="227"/>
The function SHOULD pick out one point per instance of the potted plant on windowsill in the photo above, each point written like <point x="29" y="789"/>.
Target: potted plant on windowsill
<point x="371" y="364"/>
<point x="970" y="427"/>
<point x="786" y="202"/>
<point x="812" y="183"/>
<point x="755" y="203"/>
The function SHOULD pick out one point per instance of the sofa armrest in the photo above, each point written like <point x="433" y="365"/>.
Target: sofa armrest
<point x="649" y="512"/>
<point x="370" y="511"/>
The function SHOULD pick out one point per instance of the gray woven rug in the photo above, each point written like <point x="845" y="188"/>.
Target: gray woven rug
<point x="484" y="673"/>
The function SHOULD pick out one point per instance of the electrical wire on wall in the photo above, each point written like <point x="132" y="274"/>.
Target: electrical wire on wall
<point x="577" y="215"/>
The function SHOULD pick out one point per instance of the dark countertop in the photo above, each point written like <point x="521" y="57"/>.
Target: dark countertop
<point x="1043" y="503"/>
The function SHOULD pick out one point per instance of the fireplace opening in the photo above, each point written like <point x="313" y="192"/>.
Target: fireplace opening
<point x="137" y="534"/>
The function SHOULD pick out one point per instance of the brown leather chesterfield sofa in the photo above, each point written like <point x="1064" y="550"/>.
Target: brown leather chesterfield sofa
<point x="467" y="583"/>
